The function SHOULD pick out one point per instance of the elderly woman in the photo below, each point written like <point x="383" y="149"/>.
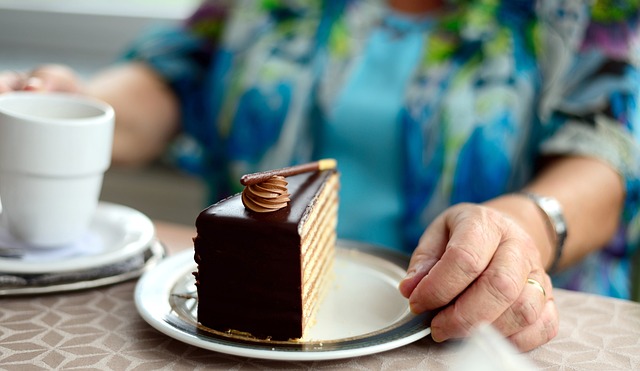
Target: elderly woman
<point x="496" y="141"/>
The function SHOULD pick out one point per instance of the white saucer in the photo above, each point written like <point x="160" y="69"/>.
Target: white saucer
<point x="152" y="256"/>
<point x="363" y="312"/>
<point x="116" y="233"/>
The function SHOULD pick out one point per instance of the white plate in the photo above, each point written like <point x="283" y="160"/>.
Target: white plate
<point x="363" y="312"/>
<point x="116" y="233"/>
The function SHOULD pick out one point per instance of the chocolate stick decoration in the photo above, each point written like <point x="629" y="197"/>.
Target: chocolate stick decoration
<point x="256" y="178"/>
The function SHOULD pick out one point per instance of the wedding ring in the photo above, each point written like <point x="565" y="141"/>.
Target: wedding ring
<point x="537" y="284"/>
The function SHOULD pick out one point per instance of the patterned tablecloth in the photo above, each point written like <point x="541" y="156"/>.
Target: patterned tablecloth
<point x="101" y="329"/>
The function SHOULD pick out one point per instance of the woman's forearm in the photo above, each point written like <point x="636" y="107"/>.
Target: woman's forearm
<point x="591" y="194"/>
<point x="147" y="112"/>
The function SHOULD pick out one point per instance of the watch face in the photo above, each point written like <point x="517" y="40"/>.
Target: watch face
<point x="552" y="208"/>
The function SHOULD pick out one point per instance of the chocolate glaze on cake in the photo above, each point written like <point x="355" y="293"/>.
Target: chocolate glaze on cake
<point x="249" y="264"/>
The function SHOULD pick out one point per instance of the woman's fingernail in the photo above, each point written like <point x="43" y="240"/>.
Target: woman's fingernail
<point x="436" y="335"/>
<point x="34" y="83"/>
<point x="418" y="267"/>
<point x="436" y="339"/>
<point x="410" y="274"/>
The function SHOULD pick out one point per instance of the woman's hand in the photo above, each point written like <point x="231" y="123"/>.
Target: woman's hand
<point x="147" y="111"/>
<point x="50" y="77"/>
<point x="480" y="266"/>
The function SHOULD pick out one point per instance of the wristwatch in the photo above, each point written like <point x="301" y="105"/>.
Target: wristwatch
<point x="553" y="210"/>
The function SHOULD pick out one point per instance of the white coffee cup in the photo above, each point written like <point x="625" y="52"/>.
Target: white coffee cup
<point x="54" y="150"/>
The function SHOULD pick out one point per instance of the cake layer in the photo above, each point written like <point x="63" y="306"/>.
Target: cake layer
<point x="318" y="245"/>
<point x="250" y="265"/>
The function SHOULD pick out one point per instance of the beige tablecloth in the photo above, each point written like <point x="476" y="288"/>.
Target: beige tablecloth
<point x="101" y="329"/>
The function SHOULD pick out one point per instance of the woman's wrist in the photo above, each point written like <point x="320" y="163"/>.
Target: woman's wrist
<point x="526" y="214"/>
<point x="557" y="225"/>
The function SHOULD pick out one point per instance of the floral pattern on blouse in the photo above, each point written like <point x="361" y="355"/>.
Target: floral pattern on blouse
<point x="498" y="86"/>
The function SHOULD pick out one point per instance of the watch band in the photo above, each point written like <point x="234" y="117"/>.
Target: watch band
<point x="553" y="210"/>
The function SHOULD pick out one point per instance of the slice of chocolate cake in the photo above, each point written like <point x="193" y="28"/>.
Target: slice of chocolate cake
<point x="261" y="273"/>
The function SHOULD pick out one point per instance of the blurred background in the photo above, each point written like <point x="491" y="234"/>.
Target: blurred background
<point x="88" y="35"/>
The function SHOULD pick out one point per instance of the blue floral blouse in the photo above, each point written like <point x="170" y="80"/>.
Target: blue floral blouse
<point x="421" y="112"/>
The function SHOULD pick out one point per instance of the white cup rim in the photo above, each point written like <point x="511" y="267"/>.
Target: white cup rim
<point x="102" y="108"/>
<point x="58" y="125"/>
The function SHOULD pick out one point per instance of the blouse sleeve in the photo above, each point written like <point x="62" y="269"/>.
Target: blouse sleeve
<point x="203" y="61"/>
<point x="182" y="54"/>
<point x="591" y="87"/>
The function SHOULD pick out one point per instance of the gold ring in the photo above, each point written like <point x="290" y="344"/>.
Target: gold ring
<point x="537" y="284"/>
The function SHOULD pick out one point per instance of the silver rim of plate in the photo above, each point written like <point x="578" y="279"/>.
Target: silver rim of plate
<point x="166" y="298"/>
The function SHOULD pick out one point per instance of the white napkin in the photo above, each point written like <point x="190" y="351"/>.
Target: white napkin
<point x="487" y="350"/>
<point x="89" y="243"/>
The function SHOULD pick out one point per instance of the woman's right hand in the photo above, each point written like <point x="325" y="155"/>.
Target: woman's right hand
<point x="49" y="77"/>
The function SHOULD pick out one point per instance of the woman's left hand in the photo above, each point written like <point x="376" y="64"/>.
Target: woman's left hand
<point x="479" y="266"/>
<point x="48" y="77"/>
